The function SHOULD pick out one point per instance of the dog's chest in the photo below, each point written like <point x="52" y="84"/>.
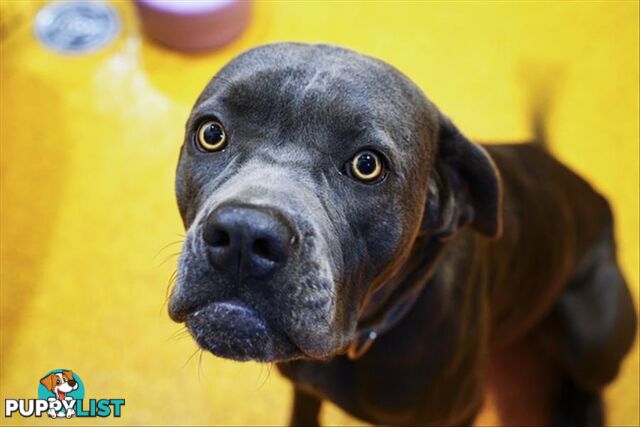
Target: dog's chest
<point x="389" y="394"/>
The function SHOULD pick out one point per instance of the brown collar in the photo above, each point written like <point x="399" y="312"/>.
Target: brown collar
<point x="390" y="303"/>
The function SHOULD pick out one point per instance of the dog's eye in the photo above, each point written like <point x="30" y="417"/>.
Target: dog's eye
<point x="366" y="166"/>
<point x="211" y="136"/>
<point x="58" y="381"/>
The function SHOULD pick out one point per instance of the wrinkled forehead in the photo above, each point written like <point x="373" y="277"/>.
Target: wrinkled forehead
<point x="324" y="86"/>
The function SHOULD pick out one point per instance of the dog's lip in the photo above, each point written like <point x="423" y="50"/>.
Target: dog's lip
<point x="233" y="304"/>
<point x="234" y="330"/>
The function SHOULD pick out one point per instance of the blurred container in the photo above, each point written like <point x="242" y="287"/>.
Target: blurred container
<point x="76" y="27"/>
<point x="194" y="25"/>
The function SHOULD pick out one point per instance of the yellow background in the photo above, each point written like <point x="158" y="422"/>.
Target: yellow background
<point x="89" y="146"/>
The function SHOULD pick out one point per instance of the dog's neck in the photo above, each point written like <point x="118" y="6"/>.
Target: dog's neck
<point x="389" y="303"/>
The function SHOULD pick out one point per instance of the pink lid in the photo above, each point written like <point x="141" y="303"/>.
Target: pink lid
<point x="194" y="25"/>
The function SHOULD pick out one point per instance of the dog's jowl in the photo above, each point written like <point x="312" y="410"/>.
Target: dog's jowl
<point x="339" y="225"/>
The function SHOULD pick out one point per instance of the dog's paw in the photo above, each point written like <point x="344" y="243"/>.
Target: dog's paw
<point x="52" y="413"/>
<point x="70" y="413"/>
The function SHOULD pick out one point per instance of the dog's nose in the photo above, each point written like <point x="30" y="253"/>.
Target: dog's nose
<point x="72" y="383"/>
<point x="247" y="241"/>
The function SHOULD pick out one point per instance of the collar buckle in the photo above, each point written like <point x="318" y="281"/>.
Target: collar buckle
<point x="361" y="344"/>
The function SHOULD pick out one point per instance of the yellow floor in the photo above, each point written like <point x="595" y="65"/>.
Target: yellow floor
<point x="89" y="146"/>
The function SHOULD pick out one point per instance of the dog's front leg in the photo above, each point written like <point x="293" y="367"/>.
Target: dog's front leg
<point x="70" y="412"/>
<point x="306" y="409"/>
<point x="52" y="411"/>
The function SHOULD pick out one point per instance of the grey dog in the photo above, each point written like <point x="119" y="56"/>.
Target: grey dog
<point x="340" y="225"/>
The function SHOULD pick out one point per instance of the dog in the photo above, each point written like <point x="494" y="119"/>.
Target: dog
<point x="339" y="225"/>
<point x="60" y="384"/>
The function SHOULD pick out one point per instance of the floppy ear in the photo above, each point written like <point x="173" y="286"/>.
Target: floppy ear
<point x="465" y="187"/>
<point x="68" y="375"/>
<point x="48" y="382"/>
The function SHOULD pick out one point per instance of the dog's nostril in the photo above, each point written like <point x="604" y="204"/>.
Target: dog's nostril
<point x="264" y="249"/>
<point x="217" y="237"/>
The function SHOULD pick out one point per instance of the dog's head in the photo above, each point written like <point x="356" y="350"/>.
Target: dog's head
<point x="60" y="383"/>
<point x="306" y="174"/>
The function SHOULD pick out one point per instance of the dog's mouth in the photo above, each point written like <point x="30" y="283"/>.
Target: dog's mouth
<point x="61" y="395"/>
<point x="233" y="330"/>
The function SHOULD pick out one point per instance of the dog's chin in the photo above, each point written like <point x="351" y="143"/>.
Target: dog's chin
<point x="235" y="331"/>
